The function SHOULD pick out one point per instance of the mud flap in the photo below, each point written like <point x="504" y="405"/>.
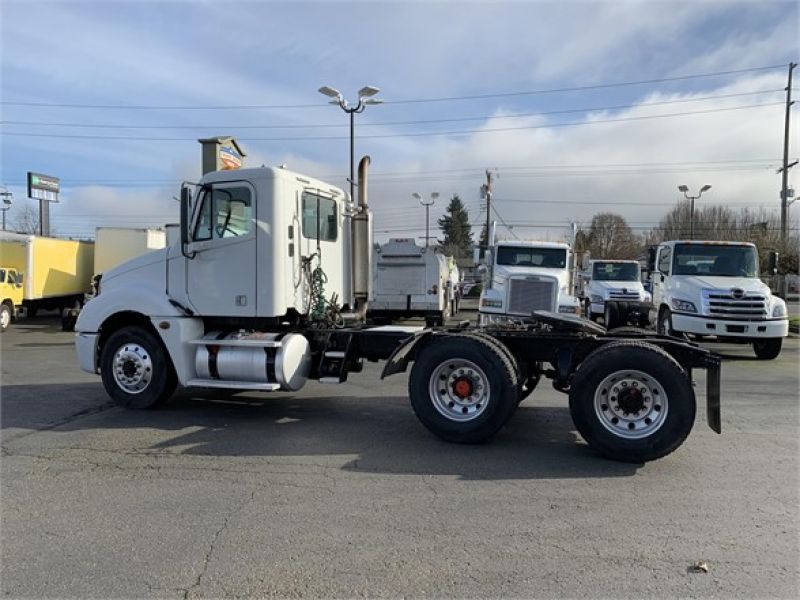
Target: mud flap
<point x="713" y="393"/>
<point x="400" y="358"/>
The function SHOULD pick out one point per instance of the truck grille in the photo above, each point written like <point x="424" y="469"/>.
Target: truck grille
<point x="735" y="304"/>
<point x="528" y="295"/>
<point x="623" y="295"/>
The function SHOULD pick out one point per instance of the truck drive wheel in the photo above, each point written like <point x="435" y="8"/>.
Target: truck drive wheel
<point x="5" y="317"/>
<point x="768" y="349"/>
<point x="136" y="371"/>
<point x="632" y="402"/>
<point x="463" y="388"/>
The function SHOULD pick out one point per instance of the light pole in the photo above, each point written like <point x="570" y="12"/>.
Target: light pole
<point x="8" y="197"/>
<point x="364" y="97"/>
<point x="685" y="190"/>
<point x="427" y="205"/>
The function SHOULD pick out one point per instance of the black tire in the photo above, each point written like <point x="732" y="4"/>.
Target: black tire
<point x="611" y="315"/>
<point x="69" y="316"/>
<point x="679" y="411"/>
<point x="5" y="317"/>
<point x="31" y="312"/>
<point x="664" y="323"/>
<point x="524" y="384"/>
<point x="502" y="380"/>
<point x="768" y="349"/>
<point x="163" y="380"/>
<point x="627" y="329"/>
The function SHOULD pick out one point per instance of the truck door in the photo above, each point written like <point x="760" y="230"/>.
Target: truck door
<point x="221" y="276"/>
<point x="659" y="276"/>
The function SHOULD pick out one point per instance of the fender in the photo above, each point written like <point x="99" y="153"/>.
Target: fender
<point x="403" y="354"/>
<point x="145" y="299"/>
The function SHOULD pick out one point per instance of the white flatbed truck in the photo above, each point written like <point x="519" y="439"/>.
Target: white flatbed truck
<point x="268" y="287"/>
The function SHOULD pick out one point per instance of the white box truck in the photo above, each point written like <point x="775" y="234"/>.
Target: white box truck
<point x="269" y="286"/>
<point x="613" y="284"/>
<point x="410" y="281"/>
<point x="115" y="245"/>
<point x="711" y="289"/>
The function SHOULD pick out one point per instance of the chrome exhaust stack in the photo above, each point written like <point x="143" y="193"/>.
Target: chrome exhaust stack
<point x="361" y="259"/>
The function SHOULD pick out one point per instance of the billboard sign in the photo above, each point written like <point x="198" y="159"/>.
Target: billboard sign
<point x="229" y="158"/>
<point x="43" y="187"/>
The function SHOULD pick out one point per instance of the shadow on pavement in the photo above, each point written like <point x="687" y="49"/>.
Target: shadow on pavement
<point x="383" y="434"/>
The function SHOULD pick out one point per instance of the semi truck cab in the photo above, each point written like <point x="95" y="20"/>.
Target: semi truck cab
<point x="522" y="277"/>
<point x="710" y="288"/>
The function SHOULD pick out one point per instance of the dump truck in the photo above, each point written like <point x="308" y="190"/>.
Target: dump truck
<point x="269" y="287"/>
<point x="49" y="273"/>
<point x="409" y="281"/>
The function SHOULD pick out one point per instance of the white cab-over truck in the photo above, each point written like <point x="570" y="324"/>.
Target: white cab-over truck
<point x="612" y="282"/>
<point x="712" y="289"/>
<point x="522" y="277"/>
<point x="269" y="286"/>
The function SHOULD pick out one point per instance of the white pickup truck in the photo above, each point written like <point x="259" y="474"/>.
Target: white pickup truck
<point x="613" y="281"/>
<point x="522" y="277"/>
<point x="713" y="289"/>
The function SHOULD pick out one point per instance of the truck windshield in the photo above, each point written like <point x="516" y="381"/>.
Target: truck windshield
<point x="715" y="259"/>
<point x="549" y="258"/>
<point x="610" y="271"/>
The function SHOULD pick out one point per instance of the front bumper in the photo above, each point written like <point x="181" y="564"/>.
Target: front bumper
<point x="699" y="325"/>
<point x="86" y="349"/>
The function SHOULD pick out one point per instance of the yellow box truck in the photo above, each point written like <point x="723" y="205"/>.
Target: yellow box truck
<point x="42" y="273"/>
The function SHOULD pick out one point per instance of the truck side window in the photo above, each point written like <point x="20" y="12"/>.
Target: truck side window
<point x="664" y="260"/>
<point x="224" y="213"/>
<point x="328" y="223"/>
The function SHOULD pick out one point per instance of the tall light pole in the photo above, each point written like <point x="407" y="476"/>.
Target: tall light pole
<point x="685" y="190"/>
<point x="427" y="204"/>
<point x="8" y="197"/>
<point x="364" y="97"/>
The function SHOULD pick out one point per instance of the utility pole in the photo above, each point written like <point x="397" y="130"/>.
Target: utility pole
<point x="487" y="190"/>
<point x="784" y="170"/>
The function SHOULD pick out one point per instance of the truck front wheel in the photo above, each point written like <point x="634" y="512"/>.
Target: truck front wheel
<point x="136" y="371"/>
<point x="632" y="402"/>
<point x="5" y="317"/>
<point x="768" y="349"/>
<point x="463" y="388"/>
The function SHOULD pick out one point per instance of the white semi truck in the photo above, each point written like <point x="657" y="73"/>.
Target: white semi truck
<point x="409" y="281"/>
<point x="712" y="289"/>
<point x="268" y="287"/>
<point x="522" y="277"/>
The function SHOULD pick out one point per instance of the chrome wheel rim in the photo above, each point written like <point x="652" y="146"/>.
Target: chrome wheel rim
<point x="631" y="404"/>
<point x="459" y="390"/>
<point x="5" y="318"/>
<point x="132" y="368"/>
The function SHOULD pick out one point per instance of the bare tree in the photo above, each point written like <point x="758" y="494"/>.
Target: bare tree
<point x="26" y="220"/>
<point x="611" y="237"/>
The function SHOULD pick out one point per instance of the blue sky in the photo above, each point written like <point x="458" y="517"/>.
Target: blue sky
<point x="193" y="54"/>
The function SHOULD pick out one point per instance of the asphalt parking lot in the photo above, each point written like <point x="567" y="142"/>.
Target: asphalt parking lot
<point x="339" y="491"/>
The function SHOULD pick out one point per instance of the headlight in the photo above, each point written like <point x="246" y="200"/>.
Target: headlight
<point x="779" y="310"/>
<point x="569" y="309"/>
<point x="596" y="298"/>
<point x="683" y="305"/>
<point x="489" y="303"/>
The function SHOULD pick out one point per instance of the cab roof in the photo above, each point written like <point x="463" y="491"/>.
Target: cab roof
<point x="707" y="243"/>
<point x="532" y="244"/>
<point x="255" y="173"/>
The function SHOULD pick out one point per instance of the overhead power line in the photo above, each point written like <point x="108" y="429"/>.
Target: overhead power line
<point x="406" y="100"/>
<point x="402" y="135"/>
<point x="394" y="123"/>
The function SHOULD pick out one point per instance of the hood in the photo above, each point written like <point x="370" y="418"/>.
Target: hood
<point x="504" y="271"/>
<point x="143" y="260"/>
<point x="698" y="282"/>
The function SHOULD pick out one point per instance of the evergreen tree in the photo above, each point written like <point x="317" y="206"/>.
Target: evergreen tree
<point x="456" y="229"/>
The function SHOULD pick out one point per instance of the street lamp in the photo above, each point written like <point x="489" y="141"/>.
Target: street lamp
<point x="364" y="97"/>
<point x="427" y="205"/>
<point x="685" y="190"/>
<point x="8" y="197"/>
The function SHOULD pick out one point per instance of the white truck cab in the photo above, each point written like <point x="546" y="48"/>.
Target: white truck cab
<point x="521" y="277"/>
<point x="613" y="280"/>
<point x="709" y="288"/>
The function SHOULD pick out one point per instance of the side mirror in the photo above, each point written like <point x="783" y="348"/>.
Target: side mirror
<point x="651" y="258"/>
<point x="185" y="199"/>
<point x="476" y="255"/>
<point x="772" y="263"/>
<point x="482" y="269"/>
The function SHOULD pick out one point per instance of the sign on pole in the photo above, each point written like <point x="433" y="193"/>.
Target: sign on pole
<point x="45" y="189"/>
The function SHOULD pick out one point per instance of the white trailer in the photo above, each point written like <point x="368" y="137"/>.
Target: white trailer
<point x="115" y="245"/>
<point x="409" y="281"/>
